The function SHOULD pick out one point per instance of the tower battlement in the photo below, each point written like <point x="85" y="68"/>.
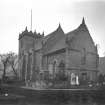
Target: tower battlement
<point x="30" y="34"/>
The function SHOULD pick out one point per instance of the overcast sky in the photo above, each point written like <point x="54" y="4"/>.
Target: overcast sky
<point x="15" y="15"/>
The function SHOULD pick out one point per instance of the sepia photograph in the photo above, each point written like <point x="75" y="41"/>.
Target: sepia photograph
<point x="52" y="52"/>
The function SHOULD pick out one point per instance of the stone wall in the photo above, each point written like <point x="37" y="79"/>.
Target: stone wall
<point x="82" y="55"/>
<point x="26" y="43"/>
<point x="50" y="59"/>
<point x="74" y="58"/>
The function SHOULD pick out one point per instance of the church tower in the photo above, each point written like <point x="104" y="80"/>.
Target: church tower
<point x="26" y="44"/>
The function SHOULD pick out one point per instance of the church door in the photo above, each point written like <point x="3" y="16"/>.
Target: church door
<point x="84" y="78"/>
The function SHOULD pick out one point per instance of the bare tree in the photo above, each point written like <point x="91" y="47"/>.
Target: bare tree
<point x="8" y="59"/>
<point x="13" y="62"/>
<point x="4" y="60"/>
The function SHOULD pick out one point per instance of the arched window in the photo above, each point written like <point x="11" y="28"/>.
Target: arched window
<point x="62" y="66"/>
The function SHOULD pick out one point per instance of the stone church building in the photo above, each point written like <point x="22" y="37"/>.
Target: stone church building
<point x="73" y="54"/>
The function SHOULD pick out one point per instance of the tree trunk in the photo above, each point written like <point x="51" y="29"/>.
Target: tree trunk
<point x="4" y="72"/>
<point x="14" y="71"/>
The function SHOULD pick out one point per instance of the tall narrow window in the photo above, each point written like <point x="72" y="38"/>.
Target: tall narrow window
<point x="62" y="66"/>
<point x="62" y="70"/>
<point x="54" y="67"/>
<point x="83" y="56"/>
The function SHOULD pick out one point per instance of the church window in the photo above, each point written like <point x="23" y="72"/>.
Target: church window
<point x="83" y="56"/>
<point x="62" y="66"/>
<point x="55" y="66"/>
<point x="62" y="70"/>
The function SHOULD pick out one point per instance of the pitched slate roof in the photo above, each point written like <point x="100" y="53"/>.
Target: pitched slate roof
<point x="51" y="40"/>
<point x="57" y="39"/>
<point x="72" y="34"/>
